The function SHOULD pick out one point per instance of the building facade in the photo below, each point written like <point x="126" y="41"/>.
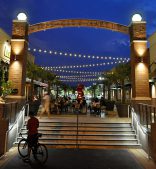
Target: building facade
<point x="152" y="67"/>
<point x="5" y="50"/>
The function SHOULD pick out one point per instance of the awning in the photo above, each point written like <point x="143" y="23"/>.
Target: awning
<point x="37" y="82"/>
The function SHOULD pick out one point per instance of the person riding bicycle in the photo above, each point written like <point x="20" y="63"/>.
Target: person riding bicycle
<point x="32" y="127"/>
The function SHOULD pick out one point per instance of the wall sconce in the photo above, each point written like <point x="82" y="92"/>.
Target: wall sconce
<point x="15" y="57"/>
<point x="140" y="59"/>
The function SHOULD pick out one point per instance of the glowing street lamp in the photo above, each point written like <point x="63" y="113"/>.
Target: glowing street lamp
<point x="136" y="18"/>
<point x="22" y="17"/>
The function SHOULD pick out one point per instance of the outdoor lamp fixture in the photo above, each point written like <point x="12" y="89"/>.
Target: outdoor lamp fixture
<point x="22" y="17"/>
<point x="139" y="45"/>
<point x="15" y="57"/>
<point x="136" y="18"/>
<point x="141" y="59"/>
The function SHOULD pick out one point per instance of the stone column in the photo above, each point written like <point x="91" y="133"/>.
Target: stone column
<point x="18" y="59"/>
<point x="139" y="61"/>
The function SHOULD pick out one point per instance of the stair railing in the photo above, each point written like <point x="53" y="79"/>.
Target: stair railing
<point x="138" y="126"/>
<point x="13" y="131"/>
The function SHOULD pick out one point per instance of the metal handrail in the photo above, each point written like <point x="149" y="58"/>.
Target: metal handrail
<point x="21" y="114"/>
<point x="143" y="129"/>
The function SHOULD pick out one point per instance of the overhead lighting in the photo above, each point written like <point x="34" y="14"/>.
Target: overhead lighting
<point x="136" y="18"/>
<point x="22" y="16"/>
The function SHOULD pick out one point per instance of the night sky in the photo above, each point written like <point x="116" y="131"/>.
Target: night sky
<point x="82" y="40"/>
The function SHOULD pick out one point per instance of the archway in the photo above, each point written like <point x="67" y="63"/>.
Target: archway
<point x="138" y="47"/>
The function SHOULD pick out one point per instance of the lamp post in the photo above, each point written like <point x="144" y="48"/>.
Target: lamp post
<point x="94" y="90"/>
<point x="102" y="79"/>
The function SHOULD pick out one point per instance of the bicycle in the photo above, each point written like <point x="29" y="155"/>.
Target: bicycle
<point x="39" y="151"/>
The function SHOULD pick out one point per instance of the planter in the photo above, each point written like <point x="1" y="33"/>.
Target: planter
<point x="2" y="100"/>
<point x="122" y="109"/>
<point x="109" y="105"/>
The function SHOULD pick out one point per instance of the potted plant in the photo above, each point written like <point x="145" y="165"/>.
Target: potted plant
<point x="6" y="89"/>
<point x="122" y="72"/>
<point x="109" y="79"/>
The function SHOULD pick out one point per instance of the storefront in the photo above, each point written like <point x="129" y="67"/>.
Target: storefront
<point x="5" y="50"/>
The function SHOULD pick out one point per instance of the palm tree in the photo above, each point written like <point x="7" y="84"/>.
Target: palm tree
<point x="35" y="72"/>
<point x="122" y="72"/>
<point x="32" y="73"/>
<point x="49" y="77"/>
<point x="93" y="90"/>
<point x="109" y="79"/>
<point x="58" y="84"/>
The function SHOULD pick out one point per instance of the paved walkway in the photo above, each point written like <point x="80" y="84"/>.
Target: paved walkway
<point x="83" y="159"/>
<point x="78" y="159"/>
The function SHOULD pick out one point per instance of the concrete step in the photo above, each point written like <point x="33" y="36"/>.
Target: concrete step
<point x="86" y="138"/>
<point x="63" y="134"/>
<point x="69" y="123"/>
<point x="90" y="146"/>
<point x="87" y="141"/>
<point x="74" y="124"/>
<point x="45" y="128"/>
<point x="90" y="136"/>
<point x="83" y="132"/>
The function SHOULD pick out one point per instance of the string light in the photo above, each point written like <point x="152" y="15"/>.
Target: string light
<point x="79" y="80"/>
<point x="82" y="66"/>
<point x="78" y="55"/>
<point x="71" y="71"/>
<point x="76" y="76"/>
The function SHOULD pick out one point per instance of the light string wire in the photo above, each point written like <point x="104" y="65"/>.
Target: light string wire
<point x="76" y="76"/>
<point x="82" y="66"/>
<point x="78" y="55"/>
<point x="72" y="71"/>
<point x="79" y="80"/>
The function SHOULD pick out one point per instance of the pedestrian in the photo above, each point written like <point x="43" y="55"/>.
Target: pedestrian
<point x="34" y="104"/>
<point x="77" y="106"/>
<point x="45" y="104"/>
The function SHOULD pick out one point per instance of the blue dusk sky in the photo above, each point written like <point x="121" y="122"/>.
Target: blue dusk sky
<point x="78" y="40"/>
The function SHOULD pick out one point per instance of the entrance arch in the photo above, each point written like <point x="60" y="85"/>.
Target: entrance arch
<point x="138" y="47"/>
<point x="78" y="23"/>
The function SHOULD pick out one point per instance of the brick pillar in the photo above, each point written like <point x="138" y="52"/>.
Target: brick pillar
<point x="18" y="59"/>
<point x="139" y="61"/>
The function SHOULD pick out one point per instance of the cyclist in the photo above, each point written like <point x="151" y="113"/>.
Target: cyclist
<point x="32" y="127"/>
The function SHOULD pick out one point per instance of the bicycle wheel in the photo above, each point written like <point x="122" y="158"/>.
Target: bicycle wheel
<point x="41" y="154"/>
<point x="23" y="148"/>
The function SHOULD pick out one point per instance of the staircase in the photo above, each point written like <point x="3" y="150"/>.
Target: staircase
<point x="60" y="133"/>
